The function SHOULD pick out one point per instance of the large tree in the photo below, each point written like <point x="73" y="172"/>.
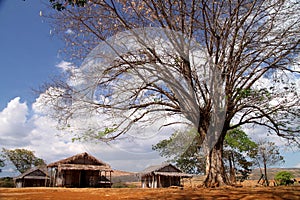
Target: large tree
<point x="214" y="64"/>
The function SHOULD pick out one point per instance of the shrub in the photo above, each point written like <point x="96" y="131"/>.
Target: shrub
<point x="283" y="177"/>
<point x="7" y="182"/>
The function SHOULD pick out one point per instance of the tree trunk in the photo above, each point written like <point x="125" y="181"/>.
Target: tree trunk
<point x="231" y="168"/>
<point x="215" y="170"/>
<point x="266" y="177"/>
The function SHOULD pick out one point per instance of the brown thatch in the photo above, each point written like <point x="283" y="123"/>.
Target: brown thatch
<point x="34" y="173"/>
<point x="161" y="170"/>
<point x="177" y="174"/>
<point x="84" y="167"/>
<point x="88" y="160"/>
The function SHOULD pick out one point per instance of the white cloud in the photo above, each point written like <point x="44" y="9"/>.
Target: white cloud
<point x="69" y="32"/>
<point x="13" y="123"/>
<point x="76" y="77"/>
<point x="65" y="66"/>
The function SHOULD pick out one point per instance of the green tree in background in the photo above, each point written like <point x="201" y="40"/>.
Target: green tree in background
<point x="237" y="147"/>
<point x="238" y="151"/>
<point x="182" y="149"/>
<point x="22" y="159"/>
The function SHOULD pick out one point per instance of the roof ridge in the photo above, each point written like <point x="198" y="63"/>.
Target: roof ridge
<point x="74" y="157"/>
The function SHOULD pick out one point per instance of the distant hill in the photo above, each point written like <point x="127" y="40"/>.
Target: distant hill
<point x="122" y="173"/>
<point x="255" y="175"/>
<point x="123" y="176"/>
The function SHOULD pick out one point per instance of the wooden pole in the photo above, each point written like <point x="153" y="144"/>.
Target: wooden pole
<point x="110" y="178"/>
<point x="100" y="178"/>
<point x="158" y="182"/>
<point x="79" y="178"/>
<point x="50" y="177"/>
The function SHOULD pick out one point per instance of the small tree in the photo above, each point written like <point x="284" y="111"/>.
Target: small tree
<point x="267" y="154"/>
<point x="22" y="159"/>
<point x="283" y="177"/>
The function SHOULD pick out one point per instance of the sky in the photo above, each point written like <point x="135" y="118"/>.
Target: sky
<point x="29" y="57"/>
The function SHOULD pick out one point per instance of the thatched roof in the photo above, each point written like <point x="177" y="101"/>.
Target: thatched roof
<point x="83" y="161"/>
<point x="84" y="167"/>
<point x="161" y="170"/>
<point x="34" y="173"/>
<point x="179" y="174"/>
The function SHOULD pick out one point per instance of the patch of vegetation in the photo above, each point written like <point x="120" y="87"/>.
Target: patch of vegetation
<point x="7" y="182"/>
<point x="283" y="177"/>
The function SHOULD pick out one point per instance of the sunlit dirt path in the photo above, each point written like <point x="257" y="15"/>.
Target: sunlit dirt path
<point x="291" y="192"/>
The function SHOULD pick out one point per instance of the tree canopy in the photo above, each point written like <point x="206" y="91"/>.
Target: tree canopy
<point x="182" y="148"/>
<point x="215" y="65"/>
<point x="283" y="177"/>
<point x="22" y="159"/>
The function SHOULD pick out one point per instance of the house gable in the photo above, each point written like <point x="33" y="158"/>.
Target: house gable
<point x="84" y="159"/>
<point x="33" y="172"/>
<point x="37" y="172"/>
<point x="169" y="168"/>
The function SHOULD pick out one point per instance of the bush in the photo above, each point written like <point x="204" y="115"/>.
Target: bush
<point x="7" y="182"/>
<point x="283" y="177"/>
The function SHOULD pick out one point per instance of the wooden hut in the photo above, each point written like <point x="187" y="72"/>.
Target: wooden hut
<point x="35" y="177"/>
<point x="164" y="175"/>
<point x="81" y="170"/>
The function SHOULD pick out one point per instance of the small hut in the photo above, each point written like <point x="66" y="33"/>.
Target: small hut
<point x="164" y="175"/>
<point x="35" y="177"/>
<point x="81" y="170"/>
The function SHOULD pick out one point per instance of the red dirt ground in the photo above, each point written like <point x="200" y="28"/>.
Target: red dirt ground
<point x="244" y="193"/>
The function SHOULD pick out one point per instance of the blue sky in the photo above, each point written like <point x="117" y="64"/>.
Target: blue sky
<point x="28" y="51"/>
<point x="29" y="57"/>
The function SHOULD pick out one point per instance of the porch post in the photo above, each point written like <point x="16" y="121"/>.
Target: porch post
<point x="158" y="181"/>
<point x="100" y="179"/>
<point x="110" y="178"/>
